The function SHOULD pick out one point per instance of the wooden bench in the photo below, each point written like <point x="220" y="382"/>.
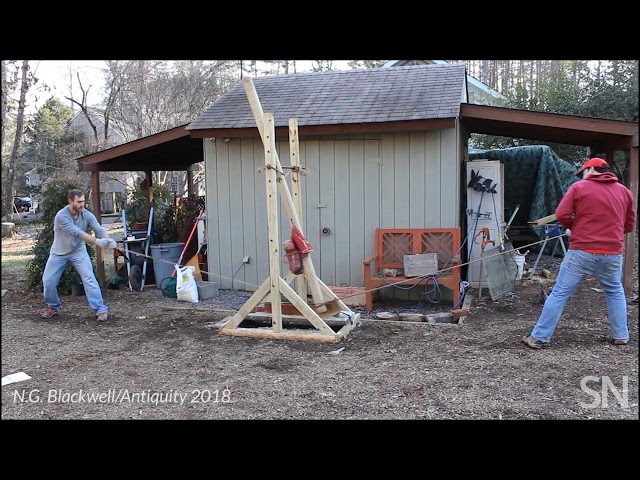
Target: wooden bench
<point x="392" y="244"/>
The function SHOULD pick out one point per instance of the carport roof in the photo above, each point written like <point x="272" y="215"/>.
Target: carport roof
<point x="172" y="149"/>
<point x="600" y="134"/>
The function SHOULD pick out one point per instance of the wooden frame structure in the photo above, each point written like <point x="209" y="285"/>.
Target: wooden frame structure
<point x="275" y="286"/>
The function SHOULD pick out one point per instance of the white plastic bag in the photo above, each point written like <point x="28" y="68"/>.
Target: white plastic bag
<point x="186" y="288"/>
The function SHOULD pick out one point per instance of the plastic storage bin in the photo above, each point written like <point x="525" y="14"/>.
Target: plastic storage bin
<point x="165" y="256"/>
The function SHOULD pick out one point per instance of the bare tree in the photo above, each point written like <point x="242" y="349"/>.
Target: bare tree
<point x="84" y="108"/>
<point x="5" y="97"/>
<point x="9" y="175"/>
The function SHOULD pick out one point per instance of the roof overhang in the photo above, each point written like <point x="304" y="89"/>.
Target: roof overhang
<point x="603" y="135"/>
<point x="338" y="129"/>
<point x="173" y="149"/>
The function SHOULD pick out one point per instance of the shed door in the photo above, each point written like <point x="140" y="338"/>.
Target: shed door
<point x="341" y="205"/>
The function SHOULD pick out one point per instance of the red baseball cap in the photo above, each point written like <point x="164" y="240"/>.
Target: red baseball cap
<point x="593" y="162"/>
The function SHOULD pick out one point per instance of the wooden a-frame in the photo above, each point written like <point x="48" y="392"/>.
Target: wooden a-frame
<point x="275" y="286"/>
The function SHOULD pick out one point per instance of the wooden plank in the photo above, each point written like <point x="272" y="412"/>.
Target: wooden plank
<point x="284" y="335"/>
<point x="304" y="308"/>
<point x="629" y="244"/>
<point x="543" y="221"/>
<point x="296" y="320"/>
<point x="432" y="182"/>
<point x="262" y="247"/>
<point x="272" y="219"/>
<point x="95" y="200"/>
<point x="296" y="190"/>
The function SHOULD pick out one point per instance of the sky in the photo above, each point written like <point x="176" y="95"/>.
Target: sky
<point x="61" y="75"/>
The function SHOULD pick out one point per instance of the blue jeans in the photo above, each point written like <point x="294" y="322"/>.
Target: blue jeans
<point x="82" y="263"/>
<point x="576" y="265"/>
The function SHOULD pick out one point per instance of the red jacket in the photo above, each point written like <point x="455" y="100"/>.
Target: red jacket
<point x="599" y="211"/>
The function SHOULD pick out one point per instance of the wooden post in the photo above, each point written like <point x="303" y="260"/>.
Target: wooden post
<point x="630" y="238"/>
<point x="149" y="184"/>
<point x="95" y="200"/>
<point x="301" y="284"/>
<point x="189" y="182"/>
<point x="272" y="220"/>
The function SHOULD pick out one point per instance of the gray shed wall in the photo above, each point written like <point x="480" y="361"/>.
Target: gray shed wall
<point x="354" y="185"/>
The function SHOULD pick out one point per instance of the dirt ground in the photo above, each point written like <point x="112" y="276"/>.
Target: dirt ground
<point x="150" y="363"/>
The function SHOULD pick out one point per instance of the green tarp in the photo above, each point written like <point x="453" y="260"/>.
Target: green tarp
<point x="535" y="178"/>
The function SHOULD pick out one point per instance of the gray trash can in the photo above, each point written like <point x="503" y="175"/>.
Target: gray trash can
<point x="165" y="256"/>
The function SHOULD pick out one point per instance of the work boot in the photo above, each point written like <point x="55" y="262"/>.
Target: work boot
<point x="49" y="312"/>
<point x="534" y="343"/>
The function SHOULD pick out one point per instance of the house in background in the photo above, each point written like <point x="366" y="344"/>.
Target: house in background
<point x="33" y="178"/>
<point x="382" y="147"/>
<point x="79" y="123"/>
<point x="113" y="185"/>
<point x="479" y="93"/>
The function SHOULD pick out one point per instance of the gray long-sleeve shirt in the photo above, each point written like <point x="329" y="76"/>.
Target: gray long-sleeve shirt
<point x="68" y="231"/>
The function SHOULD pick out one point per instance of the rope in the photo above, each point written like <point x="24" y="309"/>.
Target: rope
<point x="427" y="276"/>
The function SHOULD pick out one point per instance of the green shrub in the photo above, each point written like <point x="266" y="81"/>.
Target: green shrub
<point x="55" y="198"/>
<point x="163" y="215"/>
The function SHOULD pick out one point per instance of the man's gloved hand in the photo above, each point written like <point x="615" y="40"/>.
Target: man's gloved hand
<point x="106" y="243"/>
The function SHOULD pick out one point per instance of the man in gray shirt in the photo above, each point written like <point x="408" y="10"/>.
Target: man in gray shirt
<point x="69" y="238"/>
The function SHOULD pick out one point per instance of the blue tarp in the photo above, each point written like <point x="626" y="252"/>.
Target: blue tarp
<point x="535" y="178"/>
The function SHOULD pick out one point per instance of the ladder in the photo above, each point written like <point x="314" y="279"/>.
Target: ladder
<point x="551" y="230"/>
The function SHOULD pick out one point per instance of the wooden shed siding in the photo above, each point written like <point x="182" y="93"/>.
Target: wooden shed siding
<point x="354" y="185"/>
<point x="449" y="179"/>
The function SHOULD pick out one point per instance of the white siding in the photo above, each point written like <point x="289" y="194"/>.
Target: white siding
<point x="354" y="185"/>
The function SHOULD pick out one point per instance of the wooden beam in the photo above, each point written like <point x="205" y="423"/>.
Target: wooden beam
<point x="296" y="189"/>
<point x="271" y="178"/>
<point x="189" y="182"/>
<point x="284" y="335"/>
<point x="630" y="238"/>
<point x="95" y="200"/>
<point x="304" y="308"/>
<point x="543" y="221"/>
<point x="338" y="129"/>
<point x="148" y="179"/>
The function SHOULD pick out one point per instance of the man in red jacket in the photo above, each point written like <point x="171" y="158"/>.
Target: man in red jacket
<point x="599" y="211"/>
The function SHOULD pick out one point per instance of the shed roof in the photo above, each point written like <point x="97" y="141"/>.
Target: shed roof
<point x="374" y="95"/>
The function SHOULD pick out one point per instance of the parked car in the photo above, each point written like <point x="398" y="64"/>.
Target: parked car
<point x="23" y="204"/>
